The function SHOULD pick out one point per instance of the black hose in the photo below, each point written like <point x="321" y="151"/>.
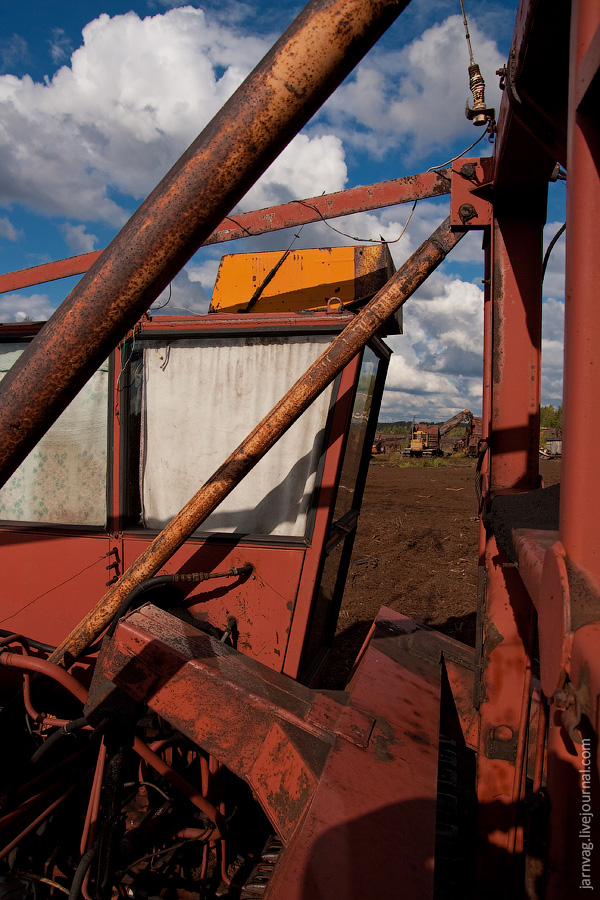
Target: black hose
<point x="69" y="728"/>
<point x="133" y="598"/>
<point x="37" y="645"/>
<point x="80" y="873"/>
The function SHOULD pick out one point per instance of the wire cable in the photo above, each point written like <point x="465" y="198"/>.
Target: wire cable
<point x="551" y="245"/>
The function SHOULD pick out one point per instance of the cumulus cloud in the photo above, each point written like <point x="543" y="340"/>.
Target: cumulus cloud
<point x="77" y="238"/>
<point x="437" y="362"/>
<point x="415" y="95"/>
<point x="8" y="230"/>
<point x="185" y="294"/>
<point x="133" y="97"/>
<point x="15" y="307"/>
<point x="89" y="143"/>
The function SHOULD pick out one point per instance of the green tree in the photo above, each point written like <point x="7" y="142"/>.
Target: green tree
<point x="550" y="417"/>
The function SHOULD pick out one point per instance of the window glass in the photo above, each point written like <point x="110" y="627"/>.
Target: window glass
<point x="63" y="480"/>
<point x="357" y="432"/>
<point x="199" y="400"/>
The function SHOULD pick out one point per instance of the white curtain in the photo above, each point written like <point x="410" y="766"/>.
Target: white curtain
<point x="63" y="480"/>
<point x="200" y="402"/>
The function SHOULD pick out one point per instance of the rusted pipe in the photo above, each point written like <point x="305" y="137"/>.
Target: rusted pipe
<point x="91" y="817"/>
<point x="322" y="372"/>
<point x="30" y="663"/>
<point x="40" y="818"/>
<point x="181" y="785"/>
<point x="46" y="667"/>
<point x="296" y="76"/>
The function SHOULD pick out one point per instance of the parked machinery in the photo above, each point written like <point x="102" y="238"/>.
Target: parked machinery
<point x="470" y="442"/>
<point x="173" y="742"/>
<point x="425" y="440"/>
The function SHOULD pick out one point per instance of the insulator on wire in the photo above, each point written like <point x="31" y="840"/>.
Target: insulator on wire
<point x="479" y="114"/>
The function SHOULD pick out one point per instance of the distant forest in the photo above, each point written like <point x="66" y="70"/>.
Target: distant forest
<point x="549" y="418"/>
<point x="400" y="427"/>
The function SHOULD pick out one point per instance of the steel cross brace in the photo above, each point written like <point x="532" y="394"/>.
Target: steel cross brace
<point x="262" y="221"/>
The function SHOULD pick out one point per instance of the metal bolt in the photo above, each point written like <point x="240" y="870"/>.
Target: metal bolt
<point x="467" y="212"/>
<point x="468" y="170"/>
<point x="561" y="699"/>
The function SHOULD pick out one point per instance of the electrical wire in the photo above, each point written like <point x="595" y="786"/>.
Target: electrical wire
<point x="458" y="155"/>
<point x="42" y="878"/>
<point x="149" y="784"/>
<point x="551" y="245"/>
<point x="168" y="300"/>
<point x="126" y="363"/>
<point x="382" y="240"/>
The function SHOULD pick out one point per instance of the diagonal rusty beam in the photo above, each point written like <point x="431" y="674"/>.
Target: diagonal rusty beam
<point x="261" y="221"/>
<point x="322" y="372"/>
<point x="286" y="88"/>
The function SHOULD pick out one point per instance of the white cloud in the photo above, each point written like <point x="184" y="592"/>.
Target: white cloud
<point x="134" y="96"/>
<point x="436" y="367"/>
<point x="77" y="238"/>
<point x="554" y="278"/>
<point x="16" y="307"/>
<point x="13" y="51"/>
<point x="185" y="294"/>
<point x="60" y="46"/>
<point x="8" y="230"/>
<point x="307" y="167"/>
<point x="553" y="319"/>
<point x="415" y="95"/>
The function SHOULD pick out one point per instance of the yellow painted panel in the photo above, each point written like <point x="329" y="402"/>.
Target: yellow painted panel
<point x="306" y="279"/>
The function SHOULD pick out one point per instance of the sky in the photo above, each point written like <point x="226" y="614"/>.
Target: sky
<point x="99" y="99"/>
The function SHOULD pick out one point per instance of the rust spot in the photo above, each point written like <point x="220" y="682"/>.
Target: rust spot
<point x="382" y="739"/>
<point x="380" y="749"/>
<point x="492" y="639"/>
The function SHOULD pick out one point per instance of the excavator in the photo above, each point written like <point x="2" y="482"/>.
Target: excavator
<point x="425" y="440"/>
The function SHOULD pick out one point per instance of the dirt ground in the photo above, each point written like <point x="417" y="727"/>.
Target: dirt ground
<point x="415" y="551"/>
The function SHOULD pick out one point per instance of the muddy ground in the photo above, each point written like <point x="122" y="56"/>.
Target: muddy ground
<point x="415" y="551"/>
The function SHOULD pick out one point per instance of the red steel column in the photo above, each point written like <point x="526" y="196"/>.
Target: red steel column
<point x="573" y="846"/>
<point x="517" y="337"/>
<point x="580" y="472"/>
<point x="511" y="407"/>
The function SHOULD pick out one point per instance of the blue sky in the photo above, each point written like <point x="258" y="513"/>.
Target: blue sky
<point x="99" y="99"/>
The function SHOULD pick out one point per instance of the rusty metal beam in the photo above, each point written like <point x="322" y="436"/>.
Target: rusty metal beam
<point x="285" y="89"/>
<point x="52" y="271"/>
<point x="531" y="135"/>
<point x="322" y="372"/>
<point x="261" y="221"/>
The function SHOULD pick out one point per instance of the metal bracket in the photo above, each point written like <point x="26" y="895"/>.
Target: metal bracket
<point x="502" y="743"/>
<point x="470" y="203"/>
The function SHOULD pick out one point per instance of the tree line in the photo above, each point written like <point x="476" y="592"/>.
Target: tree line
<point x="549" y="418"/>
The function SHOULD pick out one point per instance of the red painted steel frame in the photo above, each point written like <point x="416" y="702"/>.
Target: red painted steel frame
<point x="512" y="321"/>
<point x="272" y="609"/>
<point x="261" y="221"/>
<point x="559" y="571"/>
<point x="580" y="476"/>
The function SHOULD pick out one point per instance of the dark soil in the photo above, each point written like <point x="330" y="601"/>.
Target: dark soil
<point x="416" y="551"/>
